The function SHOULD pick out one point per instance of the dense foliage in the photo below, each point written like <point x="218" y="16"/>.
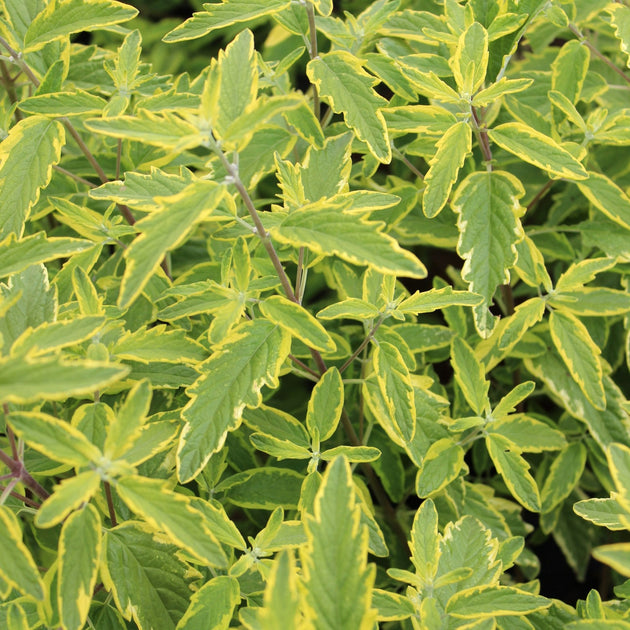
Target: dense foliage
<point x="320" y="322"/>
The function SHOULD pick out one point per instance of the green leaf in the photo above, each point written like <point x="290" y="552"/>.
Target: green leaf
<point x="582" y="272"/>
<point x="425" y="542"/>
<point x="620" y="18"/>
<point x="79" y="552"/>
<point x="325" y="405"/>
<point x="493" y="601"/>
<point x="163" y="230"/>
<point x="297" y="321"/>
<point x="592" y="302"/>
<point x="494" y="92"/>
<point x="326" y="171"/>
<point x="580" y="354"/>
<point x="515" y="471"/>
<point x="25" y="380"/>
<point x="281" y="600"/>
<point x="537" y="149"/>
<point x="510" y="401"/>
<point x="328" y="230"/>
<point x="64" y="104"/>
<point x="352" y="308"/>
<point x="452" y="149"/>
<point x="158" y="343"/>
<point x="419" y="119"/>
<point x="352" y="453"/>
<point x="17" y="567"/>
<point x="124" y="431"/>
<point x="509" y="331"/>
<point x="230" y="380"/>
<point x="618" y="456"/>
<point x="263" y="488"/>
<point x="336" y="576"/>
<point x="68" y="496"/>
<point x="72" y="16"/>
<point x="429" y="301"/>
<point x="569" y="68"/>
<point x="220" y="15"/>
<point x="279" y="448"/>
<point x="470" y="62"/>
<point x="172" y="513"/>
<point x="489" y="211"/>
<point x="396" y="389"/>
<point x="143" y="190"/>
<point x="17" y="255"/>
<point x="616" y="556"/>
<point x="54" y="335"/>
<point x="529" y="434"/>
<point x="607" y="197"/>
<point x="212" y="606"/>
<point x="238" y="81"/>
<point x="33" y="146"/>
<point x="145" y="576"/>
<point x="442" y="464"/>
<point x="340" y="78"/>
<point x="161" y="130"/>
<point x="219" y="523"/>
<point x="54" y="438"/>
<point x="470" y="376"/>
<point x="604" y="512"/>
<point x="563" y="476"/>
<point x="605" y="426"/>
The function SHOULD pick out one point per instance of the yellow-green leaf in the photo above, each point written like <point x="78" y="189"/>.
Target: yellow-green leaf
<point x="607" y="197"/>
<point x="163" y="230"/>
<point x="538" y="149"/>
<point x="297" y="321"/>
<point x="212" y="606"/>
<point x="337" y="578"/>
<point x="68" y="496"/>
<point x="515" y="472"/>
<point x="492" y="601"/>
<point x="340" y="78"/>
<point x="79" y="552"/>
<point x="64" y="104"/>
<point x="489" y="223"/>
<point x="17" y="567"/>
<point x="219" y="15"/>
<point x="27" y="156"/>
<point x="54" y="438"/>
<point x="26" y="380"/>
<point x="395" y="386"/>
<point x="616" y="556"/>
<point x="452" y="149"/>
<point x="172" y="513"/>
<point x="470" y="376"/>
<point x="580" y="354"/>
<point x="17" y="255"/>
<point x="325" y="405"/>
<point x="442" y="464"/>
<point x="64" y="17"/>
<point x="326" y="229"/>
<point x="230" y="380"/>
<point x="470" y="62"/>
<point x="569" y="68"/>
<point x="563" y="475"/>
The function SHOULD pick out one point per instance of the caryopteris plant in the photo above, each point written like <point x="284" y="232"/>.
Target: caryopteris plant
<point x="326" y="329"/>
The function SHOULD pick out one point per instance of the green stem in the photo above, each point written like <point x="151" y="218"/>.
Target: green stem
<point x="71" y="175"/>
<point x="9" y="85"/>
<point x="578" y="33"/>
<point x="310" y="12"/>
<point x="110" y="503"/>
<point x="403" y="158"/>
<point x="263" y="235"/>
<point x="482" y="134"/>
<point x="364" y="343"/>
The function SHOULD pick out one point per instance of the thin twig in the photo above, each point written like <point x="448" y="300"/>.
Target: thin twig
<point x="403" y="158"/>
<point x="304" y="367"/>
<point x="9" y="85"/>
<point x="21" y="497"/>
<point x="540" y="194"/>
<point x="71" y="175"/>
